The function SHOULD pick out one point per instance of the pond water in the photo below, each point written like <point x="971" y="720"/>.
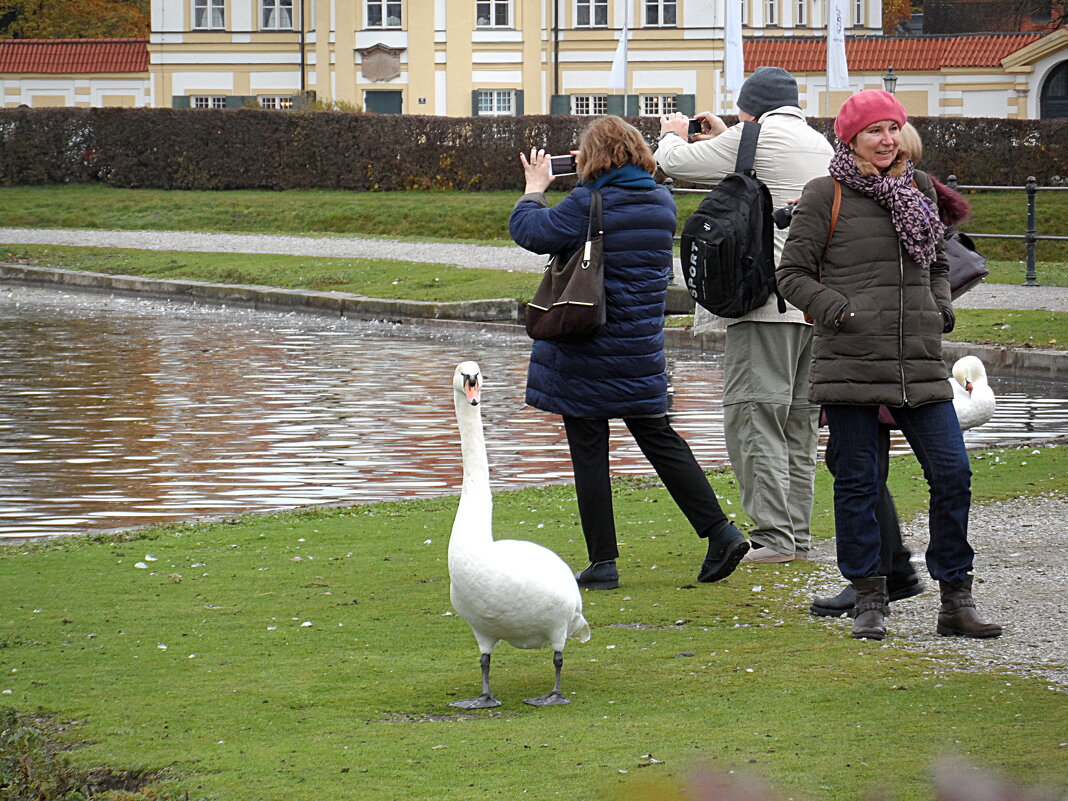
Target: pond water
<point x="118" y="412"/>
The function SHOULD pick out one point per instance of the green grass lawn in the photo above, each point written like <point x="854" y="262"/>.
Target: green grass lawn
<point x="371" y="277"/>
<point x="312" y="654"/>
<point x="466" y="216"/>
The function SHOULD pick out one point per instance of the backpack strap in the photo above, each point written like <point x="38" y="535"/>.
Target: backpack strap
<point x="747" y="147"/>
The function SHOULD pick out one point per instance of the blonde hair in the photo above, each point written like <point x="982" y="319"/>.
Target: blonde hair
<point x="610" y="142"/>
<point x="910" y="142"/>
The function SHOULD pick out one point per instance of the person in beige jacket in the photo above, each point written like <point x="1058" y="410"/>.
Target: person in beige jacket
<point x="770" y="426"/>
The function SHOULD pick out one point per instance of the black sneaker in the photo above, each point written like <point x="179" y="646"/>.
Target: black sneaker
<point x="599" y="576"/>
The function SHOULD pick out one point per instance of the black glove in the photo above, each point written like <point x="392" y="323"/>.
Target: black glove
<point x="949" y="320"/>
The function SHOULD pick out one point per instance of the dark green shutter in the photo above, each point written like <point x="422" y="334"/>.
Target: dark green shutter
<point x="632" y="106"/>
<point x="519" y="102"/>
<point x="615" y="105"/>
<point x="686" y="104"/>
<point x="180" y="101"/>
<point x="560" y="104"/>
<point x="474" y="102"/>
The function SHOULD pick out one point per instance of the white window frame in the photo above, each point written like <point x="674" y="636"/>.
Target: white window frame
<point x="593" y="9"/>
<point x="501" y="102"/>
<point x="859" y="7"/>
<point x="801" y="12"/>
<point x="745" y="11"/>
<point x="657" y="105"/>
<point x="589" y="105"/>
<point x="276" y="102"/>
<point x="494" y="7"/>
<point x="660" y="9"/>
<point x="207" y="101"/>
<point x="212" y="15"/>
<point x="771" y="12"/>
<point x="384" y="7"/>
<point x="273" y="13"/>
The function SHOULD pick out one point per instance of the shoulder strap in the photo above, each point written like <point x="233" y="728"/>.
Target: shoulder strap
<point x="747" y="147"/>
<point x="835" y="206"/>
<point x="595" y="212"/>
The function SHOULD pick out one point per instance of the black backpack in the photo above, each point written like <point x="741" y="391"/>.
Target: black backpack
<point x="728" y="250"/>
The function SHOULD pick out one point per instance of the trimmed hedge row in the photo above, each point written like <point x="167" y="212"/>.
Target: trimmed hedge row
<point x="253" y="149"/>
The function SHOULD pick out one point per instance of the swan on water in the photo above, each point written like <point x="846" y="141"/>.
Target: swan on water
<point x="511" y="590"/>
<point x="973" y="399"/>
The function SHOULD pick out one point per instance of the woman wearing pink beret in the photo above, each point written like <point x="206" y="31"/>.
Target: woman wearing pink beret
<point x="878" y="292"/>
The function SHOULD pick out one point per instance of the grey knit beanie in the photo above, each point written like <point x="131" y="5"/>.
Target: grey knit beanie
<point x="766" y="89"/>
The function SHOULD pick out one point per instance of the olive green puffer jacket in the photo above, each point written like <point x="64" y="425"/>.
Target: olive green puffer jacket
<point x="886" y="347"/>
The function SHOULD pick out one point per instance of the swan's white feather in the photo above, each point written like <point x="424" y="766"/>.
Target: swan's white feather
<point x="511" y="590"/>
<point x="973" y="399"/>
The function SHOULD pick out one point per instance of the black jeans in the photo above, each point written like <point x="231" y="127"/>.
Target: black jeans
<point x="894" y="558"/>
<point x="669" y="455"/>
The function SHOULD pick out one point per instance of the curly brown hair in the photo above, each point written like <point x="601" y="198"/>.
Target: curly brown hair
<point x="610" y="142"/>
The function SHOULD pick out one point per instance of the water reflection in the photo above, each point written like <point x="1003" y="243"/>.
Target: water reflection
<point x="118" y="412"/>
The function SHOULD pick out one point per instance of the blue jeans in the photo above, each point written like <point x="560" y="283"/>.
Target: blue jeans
<point x="934" y="434"/>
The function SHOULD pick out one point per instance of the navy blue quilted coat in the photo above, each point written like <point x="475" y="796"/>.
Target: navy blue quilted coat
<point x="620" y="372"/>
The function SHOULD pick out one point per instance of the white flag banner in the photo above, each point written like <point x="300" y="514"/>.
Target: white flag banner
<point x="617" y="79"/>
<point x="733" y="57"/>
<point x="837" y="70"/>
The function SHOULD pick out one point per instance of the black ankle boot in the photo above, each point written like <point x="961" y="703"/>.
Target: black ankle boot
<point x="844" y="602"/>
<point x="872" y="607"/>
<point x="599" y="576"/>
<point x="725" y="550"/>
<point x="957" y="617"/>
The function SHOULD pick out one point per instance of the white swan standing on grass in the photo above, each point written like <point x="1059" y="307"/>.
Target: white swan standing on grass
<point x="973" y="398"/>
<point x="510" y="590"/>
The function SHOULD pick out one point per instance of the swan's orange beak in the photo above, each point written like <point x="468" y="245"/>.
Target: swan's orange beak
<point x="472" y="389"/>
<point x="968" y="386"/>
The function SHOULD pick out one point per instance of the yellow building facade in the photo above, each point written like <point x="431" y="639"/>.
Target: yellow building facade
<point x="460" y="58"/>
<point x="463" y="57"/>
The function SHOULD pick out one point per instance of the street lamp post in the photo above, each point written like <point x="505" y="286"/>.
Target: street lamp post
<point x="890" y="80"/>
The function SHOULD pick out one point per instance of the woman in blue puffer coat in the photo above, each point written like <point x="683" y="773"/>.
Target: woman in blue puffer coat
<point x="620" y="373"/>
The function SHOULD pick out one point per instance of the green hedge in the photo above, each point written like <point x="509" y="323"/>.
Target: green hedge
<point x="253" y="149"/>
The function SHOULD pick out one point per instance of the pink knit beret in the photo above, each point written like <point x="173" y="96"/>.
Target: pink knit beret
<point x="864" y="108"/>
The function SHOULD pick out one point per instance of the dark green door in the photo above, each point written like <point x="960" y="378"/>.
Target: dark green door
<point x="1054" y="98"/>
<point x="382" y="102"/>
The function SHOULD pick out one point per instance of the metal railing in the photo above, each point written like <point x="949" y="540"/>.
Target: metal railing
<point x="1030" y="235"/>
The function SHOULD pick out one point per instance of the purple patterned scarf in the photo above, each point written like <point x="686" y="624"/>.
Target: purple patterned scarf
<point x="914" y="216"/>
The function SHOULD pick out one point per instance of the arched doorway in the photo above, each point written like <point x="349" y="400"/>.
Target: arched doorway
<point x="1053" y="102"/>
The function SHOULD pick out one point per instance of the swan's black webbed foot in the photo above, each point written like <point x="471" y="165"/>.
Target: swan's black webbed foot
<point x="484" y="701"/>
<point x="554" y="698"/>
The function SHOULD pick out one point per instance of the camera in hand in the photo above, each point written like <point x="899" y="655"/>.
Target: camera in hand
<point x="783" y="216"/>
<point x="562" y="165"/>
<point x="693" y="128"/>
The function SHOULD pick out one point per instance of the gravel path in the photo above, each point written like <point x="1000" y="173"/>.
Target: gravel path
<point x="1021" y="570"/>
<point x="507" y="257"/>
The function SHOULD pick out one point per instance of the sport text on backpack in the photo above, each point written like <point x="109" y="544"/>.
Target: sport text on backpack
<point x="728" y="249"/>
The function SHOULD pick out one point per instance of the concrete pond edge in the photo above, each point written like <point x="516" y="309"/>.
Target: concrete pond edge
<point x="499" y="315"/>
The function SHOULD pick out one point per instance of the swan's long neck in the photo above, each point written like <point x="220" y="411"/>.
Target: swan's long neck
<point x="474" y="514"/>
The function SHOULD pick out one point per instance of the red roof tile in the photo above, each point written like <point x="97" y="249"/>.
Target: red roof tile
<point x="73" y="56"/>
<point x="875" y="53"/>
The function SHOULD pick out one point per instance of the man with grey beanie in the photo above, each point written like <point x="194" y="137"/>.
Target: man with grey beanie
<point x="770" y="427"/>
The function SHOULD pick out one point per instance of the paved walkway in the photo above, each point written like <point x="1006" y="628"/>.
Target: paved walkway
<point x="984" y="296"/>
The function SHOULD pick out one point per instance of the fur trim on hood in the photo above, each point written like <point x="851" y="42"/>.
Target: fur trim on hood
<point x="953" y="208"/>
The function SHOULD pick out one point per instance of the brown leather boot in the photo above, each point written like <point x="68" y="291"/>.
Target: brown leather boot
<point x="957" y="617"/>
<point x="872" y="606"/>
